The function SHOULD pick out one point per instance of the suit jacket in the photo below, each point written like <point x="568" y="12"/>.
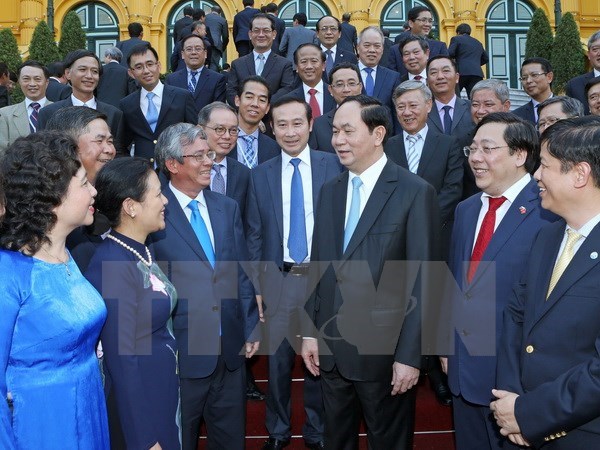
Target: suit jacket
<point x="342" y="55"/>
<point x="526" y="112"/>
<point x="267" y="149"/>
<point x="114" y="117"/>
<point x="218" y="29"/>
<point x="265" y="219"/>
<point x="177" y="106"/>
<point x="328" y="101"/>
<point x="126" y="46"/>
<point x="462" y="123"/>
<point x="368" y="331"/>
<point x="469" y="55"/>
<point x="549" y="350"/>
<point x="218" y="318"/>
<point x="322" y="132"/>
<point x="209" y="88"/>
<point x="385" y="58"/>
<point x="238" y="179"/>
<point x="57" y="91"/>
<point x="241" y="24"/>
<point x="280" y="27"/>
<point x="395" y="59"/>
<point x="471" y="373"/>
<point x="115" y="84"/>
<point x="278" y="73"/>
<point x="349" y="37"/>
<point x="179" y="28"/>
<point x="14" y="123"/>
<point x="386" y="81"/>
<point x="4" y="97"/>
<point x="575" y="88"/>
<point x="292" y="38"/>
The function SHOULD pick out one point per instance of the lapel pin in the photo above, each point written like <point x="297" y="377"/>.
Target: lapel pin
<point x="522" y="209"/>
<point x="594" y="255"/>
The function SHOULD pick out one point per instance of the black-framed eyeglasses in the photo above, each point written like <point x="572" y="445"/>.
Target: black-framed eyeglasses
<point x="220" y="131"/>
<point x="199" y="157"/>
<point x="468" y="151"/>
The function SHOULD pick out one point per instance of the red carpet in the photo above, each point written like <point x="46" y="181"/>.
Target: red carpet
<point x="433" y="429"/>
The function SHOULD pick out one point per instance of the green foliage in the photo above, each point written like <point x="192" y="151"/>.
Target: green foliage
<point x="72" y="36"/>
<point x="42" y="47"/>
<point x="16" y="96"/>
<point x="9" y="51"/>
<point x="568" y="59"/>
<point x="539" y="36"/>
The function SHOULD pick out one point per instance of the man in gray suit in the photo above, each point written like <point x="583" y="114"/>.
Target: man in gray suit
<point x="296" y="36"/>
<point x="219" y="31"/>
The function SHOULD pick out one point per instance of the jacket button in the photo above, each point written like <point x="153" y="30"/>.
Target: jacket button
<point x="529" y="349"/>
<point x="151" y="160"/>
<point x="215" y="308"/>
<point x="154" y="141"/>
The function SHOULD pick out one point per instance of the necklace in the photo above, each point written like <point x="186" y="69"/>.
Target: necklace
<point x="64" y="263"/>
<point x="147" y="262"/>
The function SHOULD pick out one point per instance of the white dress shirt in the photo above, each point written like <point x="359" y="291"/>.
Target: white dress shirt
<point x="257" y="61"/>
<point x="184" y="200"/>
<point x="223" y="173"/>
<point x="318" y="95"/>
<point x="440" y="107"/>
<point x="418" y="145"/>
<point x="423" y="76"/>
<point x="157" y="100"/>
<point x="369" y="178"/>
<point x="363" y="74"/>
<point x="584" y="231"/>
<point x="90" y="103"/>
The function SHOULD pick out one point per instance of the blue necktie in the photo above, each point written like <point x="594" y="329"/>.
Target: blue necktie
<point x="218" y="184"/>
<point x="328" y="61"/>
<point x="193" y="81"/>
<point x="412" y="156"/>
<point x="261" y="64"/>
<point x="152" y="113"/>
<point x="250" y="157"/>
<point x="297" y="238"/>
<point x="199" y="227"/>
<point x="447" y="120"/>
<point x="354" y="213"/>
<point x="33" y="117"/>
<point x="370" y="82"/>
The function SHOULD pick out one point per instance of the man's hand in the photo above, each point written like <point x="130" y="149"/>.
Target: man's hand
<point x="259" y="303"/>
<point x="403" y="378"/>
<point x="251" y="348"/>
<point x="504" y="412"/>
<point x="519" y="440"/>
<point x="444" y="363"/>
<point x="310" y="355"/>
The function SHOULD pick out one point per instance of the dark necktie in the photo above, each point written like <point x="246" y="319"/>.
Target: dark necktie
<point x="248" y="152"/>
<point x="328" y="61"/>
<point x="297" y="244"/>
<point x="314" y="103"/>
<point x="370" y="82"/>
<point x="218" y="184"/>
<point x="418" y="78"/>
<point x="485" y="235"/>
<point x="33" y="117"/>
<point x="447" y="120"/>
<point x="193" y="81"/>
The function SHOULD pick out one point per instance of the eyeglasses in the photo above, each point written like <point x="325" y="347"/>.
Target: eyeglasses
<point x="424" y="20"/>
<point x="261" y="30"/>
<point x="196" y="49"/>
<point x="220" y="131"/>
<point x="533" y="76"/>
<point x="468" y="151"/>
<point x="341" y="85"/>
<point x="199" y="157"/>
<point x="545" y="123"/>
<point x="149" y="65"/>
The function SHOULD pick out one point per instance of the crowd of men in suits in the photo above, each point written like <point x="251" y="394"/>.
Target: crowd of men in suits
<point x="311" y="150"/>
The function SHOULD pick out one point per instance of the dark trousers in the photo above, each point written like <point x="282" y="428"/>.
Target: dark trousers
<point x="243" y="48"/>
<point x="390" y="419"/>
<point x="467" y="82"/>
<point x="215" y="59"/>
<point x="219" y="399"/>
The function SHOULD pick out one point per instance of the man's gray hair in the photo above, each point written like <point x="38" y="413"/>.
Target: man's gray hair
<point x="205" y="113"/>
<point x="593" y="38"/>
<point x="499" y="88"/>
<point x="406" y="86"/>
<point x="114" y="53"/>
<point x="371" y="28"/>
<point x="171" y="141"/>
<point x="568" y="105"/>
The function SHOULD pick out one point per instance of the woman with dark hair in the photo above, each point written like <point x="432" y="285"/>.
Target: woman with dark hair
<point x="51" y="317"/>
<point x="140" y="353"/>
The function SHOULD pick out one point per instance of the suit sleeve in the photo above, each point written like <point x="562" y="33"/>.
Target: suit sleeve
<point x="484" y="57"/>
<point x="284" y="44"/>
<point x="287" y="81"/>
<point x="43" y="117"/>
<point x="224" y="35"/>
<point x="3" y="133"/>
<point x="444" y="49"/>
<point x="253" y="233"/>
<point x="191" y="113"/>
<point x="453" y="48"/>
<point x="119" y="138"/>
<point x="220" y="89"/>
<point x="393" y="63"/>
<point x="233" y="80"/>
<point x="451" y="191"/>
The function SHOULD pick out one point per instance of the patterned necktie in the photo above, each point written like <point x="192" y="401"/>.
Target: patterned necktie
<point x="33" y="117"/>
<point x="370" y="82"/>
<point x="447" y="120"/>
<point x="201" y="231"/>
<point x="193" y="81"/>
<point x="564" y="259"/>
<point x="218" y="184"/>
<point x="418" y="78"/>
<point x="261" y="64"/>
<point x="328" y="61"/>
<point x="297" y="244"/>
<point x="412" y="156"/>
<point x="354" y="212"/>
<point x="250" y="156"/>
<point x="314" y="103"/>
<point x="152" y="113"/>
<point x="485" y="235"/>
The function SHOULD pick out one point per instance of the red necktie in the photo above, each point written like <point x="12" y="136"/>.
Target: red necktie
<point x="314" y="104"/>
<point x="418" y="77"/>
<point x="485" y="234"/>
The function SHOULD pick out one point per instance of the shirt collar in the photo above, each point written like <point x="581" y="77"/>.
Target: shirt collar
<point x="332" y="49"/>
<point x="198" y="70"/>
<point x="267" y="53"/>
<point x="422" y="132"/>
<point x="439" y="105"/>
<point x="318" y="87"/>
<point x="370" y="176"/>
<point x="243" y="133"/>
<point x="91" y="103"/>
<point x="361" y="66"/>
<point x="41" y="101"/>
<point x="512" y="192"/>
<point x="184" y="199"/>
<point x="304" y="156"/>
<point x="423" y="75"/>
<point x="158" y="90"/>
<point x="589" y="226"/>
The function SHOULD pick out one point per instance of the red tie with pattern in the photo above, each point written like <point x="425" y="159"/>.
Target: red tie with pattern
<point x="313" y="103"/>
<point x="485" y="235"/>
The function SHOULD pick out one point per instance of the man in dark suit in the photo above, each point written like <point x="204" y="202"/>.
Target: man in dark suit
<point x="4" y="79"/>
<point x="58" y="87"/>
<point x="242" y="24"/>
<point x="345" y="82"/>
<point x="557" y="108"/>
<point x="115" y="82"/>
<point x="536" y="79"/>
<point x="387" y="46"/>
<point x="285" y="185"/>
<point x="329" y="32"/>
<point x="592" y="92"/>
<point x="469" y="55"/>
<point x="136" y="33"/>
<point x="366" y="345"/>
<point x="197" y="28"/>
<point x="206" y="85"/>
<point x="348" y="39"/>
<point x="487" y="258"/>
<point x="310" y="61"/>
<point x="276" y="69"/>
<point x="548" y="376"/>
<point x="415" y="54"/>
<point x="183" y="23"/>
<point x="295" y="36"/>
<point x="575" y="87"/>
<point x="272" y="9"/>
<point x="253" y="102"/>
<point x="216" y="313"/>
<point x="219" y="30"/>
<point x="155" y="106"/>
<point x="83" y="70"/>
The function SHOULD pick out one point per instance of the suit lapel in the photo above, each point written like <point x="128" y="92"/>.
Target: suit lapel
<point x="231" y="177"/>
<point x="217" y="223"/>
<point x="339" y="212"/>
<point x="434" y="118"/>
<point x="165" y="105"/>
<point x="21" y="119"/>
<point x="460" y="108"/>
<point x="429" y="147"/>
<point x="471" y="216"/>
<point x="318" y="174"/>
<point x="379" y="81"/>
<point x="136" y="110"/>
<point x="269" y="63"/>
<point x="274" y="181"/>
<point x="250" y="64"/>
<point x="204" y="76"/>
